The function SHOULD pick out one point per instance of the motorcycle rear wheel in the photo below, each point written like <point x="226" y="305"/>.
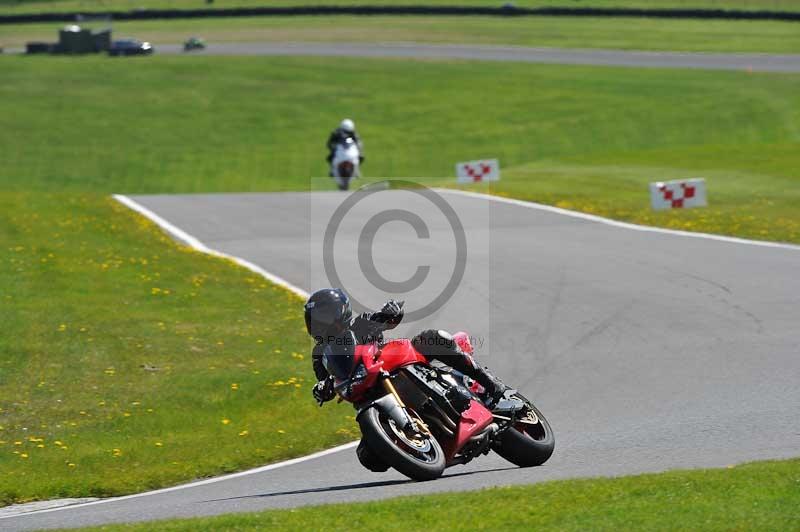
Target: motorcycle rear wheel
<point x="527" y="445"/>
<point x="419" y="457"/>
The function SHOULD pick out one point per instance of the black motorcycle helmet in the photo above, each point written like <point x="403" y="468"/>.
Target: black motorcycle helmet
<point x="327" y="313"/>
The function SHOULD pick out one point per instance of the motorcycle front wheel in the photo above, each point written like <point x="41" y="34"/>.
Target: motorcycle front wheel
<point x="417" y="456"/>
<point x="529" y="442"/>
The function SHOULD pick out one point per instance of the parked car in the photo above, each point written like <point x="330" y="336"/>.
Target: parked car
<point x="130" y="47"/>
<point x="194" y="43"/>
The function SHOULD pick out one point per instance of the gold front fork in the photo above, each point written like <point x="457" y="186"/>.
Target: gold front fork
<point x="390" y="389"/>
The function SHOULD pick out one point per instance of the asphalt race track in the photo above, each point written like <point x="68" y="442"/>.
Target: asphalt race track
<point x="712" y="61"/>
<point x="646" y="350"/>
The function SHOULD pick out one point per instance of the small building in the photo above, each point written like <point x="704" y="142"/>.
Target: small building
<point x="76" y="39"/>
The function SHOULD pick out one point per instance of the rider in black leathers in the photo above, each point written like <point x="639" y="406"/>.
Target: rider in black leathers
<point x="343" y="333"/>
<point x="346" y="129"/>
<point x="329" y="321"/>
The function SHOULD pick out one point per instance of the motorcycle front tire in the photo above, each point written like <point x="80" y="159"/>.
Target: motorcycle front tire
<point x="380" y="438"/>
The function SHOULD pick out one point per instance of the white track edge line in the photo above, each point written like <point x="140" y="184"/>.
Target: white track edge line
<point x="213" y="480"/>
<point x="195" y="243"/>
<point x="616" y="223"/>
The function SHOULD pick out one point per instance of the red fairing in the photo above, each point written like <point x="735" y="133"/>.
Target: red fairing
<point x="462" y="340"/>
<point x="399" y="353"/>
<point x="473" y="420"/>
<point x="393" y="355"/>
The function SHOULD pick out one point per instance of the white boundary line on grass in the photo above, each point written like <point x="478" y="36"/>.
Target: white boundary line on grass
<point x="195" y="243"/>
<point x="615" y="223"/>
<point x="261" y="469"/>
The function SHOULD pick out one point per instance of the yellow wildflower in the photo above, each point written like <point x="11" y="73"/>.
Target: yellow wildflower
<point x="225" y="421"/>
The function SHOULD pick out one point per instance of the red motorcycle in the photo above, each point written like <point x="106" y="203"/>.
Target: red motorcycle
<point x="420" y="419"/>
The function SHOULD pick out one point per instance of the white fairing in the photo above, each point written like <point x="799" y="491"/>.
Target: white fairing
<point x="345" y="151"/>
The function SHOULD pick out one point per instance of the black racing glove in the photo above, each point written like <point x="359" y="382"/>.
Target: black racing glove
<point x="390" y="314"/>
<point x="323" y="391"/>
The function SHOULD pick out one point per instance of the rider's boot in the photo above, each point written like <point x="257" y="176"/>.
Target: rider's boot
<point x="465" y="363"/>
<point x="440" y="345"/>
<point x="494" y="387"/>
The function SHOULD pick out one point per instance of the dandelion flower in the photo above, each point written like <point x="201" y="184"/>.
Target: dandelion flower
<point x="281" y="431"/>
<point x="234" y="386"/>
<point x="244" y="433"/>
<point x="159" y="444"/>
<point x="23" y="455"/>
<point x="71" y="464"/>
<point x="225" y="421"/>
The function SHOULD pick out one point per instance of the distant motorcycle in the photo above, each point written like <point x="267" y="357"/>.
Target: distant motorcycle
<point x="346" y="163"/>
<point x="420" y="419"/>
<point x="194" y="43"/>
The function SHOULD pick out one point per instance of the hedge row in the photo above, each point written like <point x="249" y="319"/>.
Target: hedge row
<point x="509" y="11"/>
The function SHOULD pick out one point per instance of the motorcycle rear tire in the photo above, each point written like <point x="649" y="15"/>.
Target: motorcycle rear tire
<point x="527" y="450"/>
<point x="379" y="441"/>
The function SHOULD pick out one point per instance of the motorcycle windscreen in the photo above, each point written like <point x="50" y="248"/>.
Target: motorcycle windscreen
<point x="339" y="357"/>
<point x="346" y="169"/>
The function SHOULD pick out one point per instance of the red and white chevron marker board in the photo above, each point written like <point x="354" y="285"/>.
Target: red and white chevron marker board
<point x="680" y="194"/>
<point x="478" y="171"/>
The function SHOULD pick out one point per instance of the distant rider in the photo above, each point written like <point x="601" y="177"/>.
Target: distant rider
<point x="329" y="320"/>
<point x="346" y="130"/>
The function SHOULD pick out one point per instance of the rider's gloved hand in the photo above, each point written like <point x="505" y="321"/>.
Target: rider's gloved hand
<point x="323" y="391"/>
<point x="392" y="313"/>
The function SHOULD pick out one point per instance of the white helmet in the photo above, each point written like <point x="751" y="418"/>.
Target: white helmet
<point x="347" y="125"/>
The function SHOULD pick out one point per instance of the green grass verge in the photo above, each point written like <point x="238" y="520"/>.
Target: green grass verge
<point x="129" y="362"/>
<point x="33" y="6"/>
<point x="588" y="138"/>
<point x="756" y="496"/>
<point x="615" y="33"/>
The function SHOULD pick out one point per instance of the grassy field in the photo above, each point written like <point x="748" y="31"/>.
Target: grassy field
<point x="587" y="138"/>
<point x="756" y="496"/>
<point x="130" y="363"/>
<point x="629" y="34"/>
<point x="32" y="6"/>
